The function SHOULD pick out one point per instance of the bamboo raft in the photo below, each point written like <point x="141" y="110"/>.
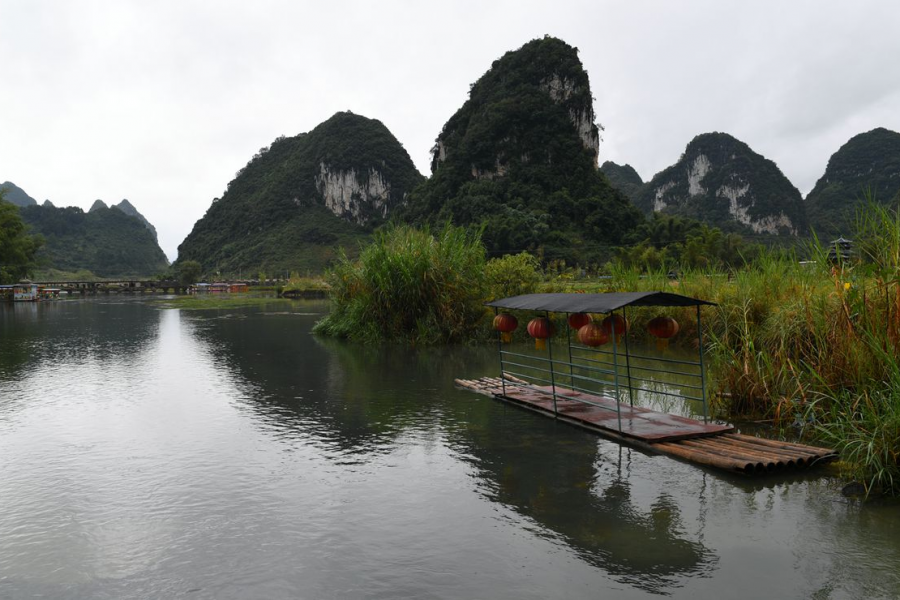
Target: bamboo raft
<point x="715" y="446"/>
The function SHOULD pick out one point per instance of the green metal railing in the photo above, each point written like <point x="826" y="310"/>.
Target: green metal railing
<point x="604" y="372"/>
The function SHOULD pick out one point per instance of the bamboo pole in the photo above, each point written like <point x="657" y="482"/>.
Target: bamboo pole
<point x="770" y="463"/>
<point x="786" y="445"/>
<point x="705" y="458"/>
<point x="792" y="454"/>
<point x="789" y="459"/>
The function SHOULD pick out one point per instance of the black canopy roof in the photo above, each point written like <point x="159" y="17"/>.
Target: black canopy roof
<point x="594" y="303"/>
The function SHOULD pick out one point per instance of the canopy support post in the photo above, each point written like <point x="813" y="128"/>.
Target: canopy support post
<point x="571" y="365"/>
<point x="550" y="356"/>
<point x="702" y="367"/>
<point x="627" y="359"/>
<point x="616" y="371"/>
<point x="500" y="354"/>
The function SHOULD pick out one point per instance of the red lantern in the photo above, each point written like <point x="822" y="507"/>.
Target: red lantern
<point x="592" y="335"/>
<point x="540" y="329"/>
<point x="621" y="326"/>
<point x="505" y="323"/>
<point x="579" y="320"/>
<point x="662" y="328"/>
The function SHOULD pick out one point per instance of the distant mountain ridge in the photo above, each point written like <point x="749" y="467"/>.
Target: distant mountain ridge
<point x="16" y="195"/>
<point x="721" y="181"/>
<point x="128" y="208"/>
<point x="623" y="178"/>
<point x="518" y="158"/>
<point x="106" y="240"/>
<point x="868" y="163"/>
<point x="298" y="199"/>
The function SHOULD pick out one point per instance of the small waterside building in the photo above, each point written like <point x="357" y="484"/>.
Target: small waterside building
<point x="220" y="287"/>
<point x="26" y="292"/>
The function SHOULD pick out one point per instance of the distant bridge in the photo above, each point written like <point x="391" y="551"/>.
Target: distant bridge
<point x="117" y="286"/>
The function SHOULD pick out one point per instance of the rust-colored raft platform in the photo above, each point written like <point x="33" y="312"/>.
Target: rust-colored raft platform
<point x="688" y="439"/>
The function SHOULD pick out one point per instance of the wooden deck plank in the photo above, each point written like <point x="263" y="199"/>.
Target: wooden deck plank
<point x="677" y="437"/>
<point x="641" y="423"/>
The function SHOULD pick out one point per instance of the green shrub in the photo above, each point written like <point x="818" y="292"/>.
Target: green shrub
<point x="512" y="275"/>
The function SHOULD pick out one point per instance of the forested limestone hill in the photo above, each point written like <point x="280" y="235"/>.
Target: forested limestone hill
<point x="721" y="181"/>
<point x="300" y="199"/>
<point x="869" y="163"/>
<point x="520" y="157"/>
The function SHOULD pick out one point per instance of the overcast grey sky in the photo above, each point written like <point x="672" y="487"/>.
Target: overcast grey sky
<point x="162" y="102"/>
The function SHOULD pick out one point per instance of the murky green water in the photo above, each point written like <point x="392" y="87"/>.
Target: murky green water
<point x="156" y="453"/>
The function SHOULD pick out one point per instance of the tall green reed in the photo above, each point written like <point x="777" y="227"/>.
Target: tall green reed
<point x="860" y="415"/>
<point x="409" y="285"/>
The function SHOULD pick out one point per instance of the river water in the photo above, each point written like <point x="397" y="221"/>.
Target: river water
<point x="151" y="452"/>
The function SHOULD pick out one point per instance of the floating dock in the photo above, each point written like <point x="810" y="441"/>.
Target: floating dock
<point x="707" y="444"/>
